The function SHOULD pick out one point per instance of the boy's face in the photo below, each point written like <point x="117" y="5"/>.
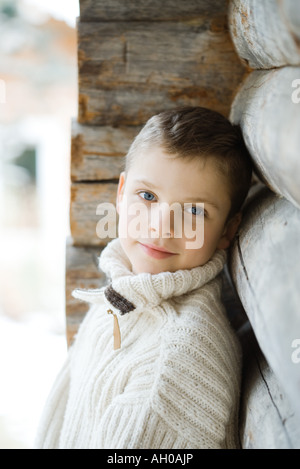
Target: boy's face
<point x="155" y="180"/>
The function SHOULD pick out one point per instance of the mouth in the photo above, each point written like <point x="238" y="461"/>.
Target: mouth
<point x="156" y="251"/>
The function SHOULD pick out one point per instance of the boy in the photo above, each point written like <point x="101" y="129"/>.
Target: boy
<point x="172" y="378"/>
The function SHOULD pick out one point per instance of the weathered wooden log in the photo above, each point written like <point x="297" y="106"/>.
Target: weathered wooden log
<point x="293" y="17"/>
<point x="145" y="10"/>
<point x="268" y="109"/>
<point x="128" y="71"/>
<point x="264" y="265"/>
<point x="266" y="34"/>
<point x="85" y="214"/>
<point x="97" y="153"/>
<point x="81" y="272"/>
<point x="267" y="419"/>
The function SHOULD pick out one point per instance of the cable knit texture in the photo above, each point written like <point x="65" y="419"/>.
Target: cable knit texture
<point x="175" y="381"/>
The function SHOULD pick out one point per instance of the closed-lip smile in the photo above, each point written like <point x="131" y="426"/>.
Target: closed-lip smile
<point x="156" y="251"/>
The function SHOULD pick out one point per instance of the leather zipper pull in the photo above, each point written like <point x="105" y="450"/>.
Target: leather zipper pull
<point x="117" y="333"/>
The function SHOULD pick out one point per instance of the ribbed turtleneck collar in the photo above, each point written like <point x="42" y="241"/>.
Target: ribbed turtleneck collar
<point x="128" y="291"/>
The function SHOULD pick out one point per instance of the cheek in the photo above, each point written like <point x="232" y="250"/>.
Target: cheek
<point x="125" y="241"/>
<point x="122" y="230"/>
<point x="212" y="237"/>
<point x="193" y="233"/>
<point x="199" y="256"/>
<point x="133" y="221"/>
<point x="213" y="232"/>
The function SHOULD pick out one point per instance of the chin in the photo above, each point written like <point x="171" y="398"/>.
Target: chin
<point x="144" y="269"/>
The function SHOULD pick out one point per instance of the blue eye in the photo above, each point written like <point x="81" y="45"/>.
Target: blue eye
<point x="196" y="211"/>
<point x="147" y="196"/>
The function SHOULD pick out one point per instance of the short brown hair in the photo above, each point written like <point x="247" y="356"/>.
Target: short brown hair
<point x="192" y="132"/>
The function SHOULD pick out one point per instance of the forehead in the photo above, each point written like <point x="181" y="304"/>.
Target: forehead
<point x="188" y="178"/>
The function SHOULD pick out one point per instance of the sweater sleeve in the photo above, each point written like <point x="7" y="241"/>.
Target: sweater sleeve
<point x="136" y="426"/>
<point x="49" y="427"/>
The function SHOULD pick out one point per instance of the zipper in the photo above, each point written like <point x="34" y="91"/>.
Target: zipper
<point x="117" y="332"/>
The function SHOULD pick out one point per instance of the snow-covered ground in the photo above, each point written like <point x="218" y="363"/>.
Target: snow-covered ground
<point x="31" y="354"/>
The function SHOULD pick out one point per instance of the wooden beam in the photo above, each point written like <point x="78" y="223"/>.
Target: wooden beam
<point x="85" y="198"/>
<point x="266" y="33"/>
<point x="268" y="110"/>
<point x="264" y="265"/>
<point x="97" y="152"/>
<point x="129" y="71"/>
<point x="145" y="10"/>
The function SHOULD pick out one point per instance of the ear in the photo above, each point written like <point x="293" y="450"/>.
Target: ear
<point x="120" y="191"/>
<point x="230" y="230"/>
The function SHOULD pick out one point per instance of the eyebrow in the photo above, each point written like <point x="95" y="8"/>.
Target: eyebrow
<point x="193" y="200"/>
<point x="146" y="183"/>
<point x="203" y="201"/>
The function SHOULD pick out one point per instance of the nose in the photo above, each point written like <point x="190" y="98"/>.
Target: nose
<point x="161" y="221"/>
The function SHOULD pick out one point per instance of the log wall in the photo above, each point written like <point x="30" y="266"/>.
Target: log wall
<point x="263" y="260"/>
<point x="270" y="119"/>
<point x="266" y="33"/>
<point x="267" y="37"/>
<point x="267" y="419"/>
<point x="266" y="275"/>
<point x="131" y="70"/>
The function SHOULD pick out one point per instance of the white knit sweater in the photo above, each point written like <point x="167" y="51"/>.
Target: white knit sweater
<point x="175" y="381"/>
